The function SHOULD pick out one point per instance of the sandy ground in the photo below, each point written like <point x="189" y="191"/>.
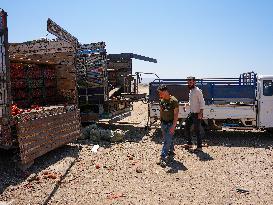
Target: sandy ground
<point x="236" y="168"/>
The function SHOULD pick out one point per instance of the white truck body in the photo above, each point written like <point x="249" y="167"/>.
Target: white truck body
<point x="246" y="114"/>
<point x="258" y="114"/>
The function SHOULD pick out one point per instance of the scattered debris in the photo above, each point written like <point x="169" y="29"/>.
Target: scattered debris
<point x="31" y="177"/>
<point x="134" y="162"/>
<point x="49" y="175"/>
<point x="130" y="156"/>
<point x="117" y="173"/>
<point x="34" y="177"/>
<point x="243" y="191"/>
<point x="139" y="169"/>
<point x="115" y="196"/>
<point x="97" y="134"/>
<point x="95" y="148"/>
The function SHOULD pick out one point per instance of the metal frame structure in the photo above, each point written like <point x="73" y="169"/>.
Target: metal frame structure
<point x="215" y="90"/>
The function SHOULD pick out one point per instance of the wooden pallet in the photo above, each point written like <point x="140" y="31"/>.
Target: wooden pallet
<point x="39" y="136"/>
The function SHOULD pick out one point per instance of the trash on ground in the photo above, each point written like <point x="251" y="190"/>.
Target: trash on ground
<point x="242" y="191"/>
<point x="96" y="134"/>
<point x="95" y="148"/>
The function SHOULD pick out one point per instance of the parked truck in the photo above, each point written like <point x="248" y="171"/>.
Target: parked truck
<point x="246" y="101"/>
<point x="106" y="87"/>
<point x="38" y="95"/>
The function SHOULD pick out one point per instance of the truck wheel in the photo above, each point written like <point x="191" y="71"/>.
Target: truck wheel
<point x="212" y="125"/>
<point x="147" y="127"/>
<point x="270" y="130"/>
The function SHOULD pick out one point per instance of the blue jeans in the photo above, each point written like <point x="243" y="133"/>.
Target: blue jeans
<point x="168" y="145"/>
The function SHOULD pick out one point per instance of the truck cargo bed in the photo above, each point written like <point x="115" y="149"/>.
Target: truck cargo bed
<point x="215" y="90"/>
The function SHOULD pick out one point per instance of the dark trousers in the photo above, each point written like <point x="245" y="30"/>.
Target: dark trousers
<point x="192" y="119"/>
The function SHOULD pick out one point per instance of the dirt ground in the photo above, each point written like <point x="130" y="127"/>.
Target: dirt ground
<point x="236" y="168"/>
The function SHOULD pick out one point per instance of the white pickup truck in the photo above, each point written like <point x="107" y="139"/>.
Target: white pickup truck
<point x="247" y="100"/>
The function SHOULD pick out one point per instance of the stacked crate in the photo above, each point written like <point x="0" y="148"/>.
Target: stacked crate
<point x="33" y="84"/>
<point x="43" y="73"/>
<point x="91" y="67"/>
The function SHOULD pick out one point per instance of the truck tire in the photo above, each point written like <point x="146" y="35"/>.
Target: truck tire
<point x="269" y="130"/>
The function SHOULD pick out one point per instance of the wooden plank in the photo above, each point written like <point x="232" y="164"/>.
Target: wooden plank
<point x="34" y="153"/>
<point x="49" y="143"/>
<point x="29" y="141"/>
<point x="29" y="126"/>
<point x="46" y="128"/>
<point x="52" y="132"/>
<point x="41" y="47"/>
<point x="42" y="138"/>
<point x="66" y="84"/>
<point x="44" y="135"/>
<point x="27" y="144"/>
<point x="40" y="141"/>
<point x="89" y="117"/>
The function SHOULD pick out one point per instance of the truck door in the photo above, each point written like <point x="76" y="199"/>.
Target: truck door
<point x="265" y="103"/>
<point x="5" y="138"/>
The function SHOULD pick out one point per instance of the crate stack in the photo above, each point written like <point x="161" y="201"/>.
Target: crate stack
<point x="91" y="65"/>
<point x="33" y="84"/>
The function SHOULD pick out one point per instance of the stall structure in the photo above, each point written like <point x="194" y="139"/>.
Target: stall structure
<point x="105" y="84"/>
<point x="40" y="111"/>
<point x="122" y="83"/>
<point x="92" y="80"/>
<point x="44" y="96"/>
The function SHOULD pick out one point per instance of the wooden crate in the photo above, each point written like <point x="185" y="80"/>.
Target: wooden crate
<point x="89" y="117"/>
<point x="39" y="136"/>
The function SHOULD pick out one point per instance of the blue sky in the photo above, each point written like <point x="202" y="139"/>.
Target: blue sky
<point x="205" y="38"/>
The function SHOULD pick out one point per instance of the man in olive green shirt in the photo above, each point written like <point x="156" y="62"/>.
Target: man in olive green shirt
<point x="169" y="108"/>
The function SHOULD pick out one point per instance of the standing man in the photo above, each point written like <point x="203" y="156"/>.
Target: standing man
<point x="197" y="104"/>
<point x="169" y="108"/>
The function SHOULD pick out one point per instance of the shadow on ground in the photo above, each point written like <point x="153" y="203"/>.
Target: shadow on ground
<point x="230" y="138"/>
<point x="203" y="156"/>
<point x="11" y="174"/>
<point x="174" y="166"/>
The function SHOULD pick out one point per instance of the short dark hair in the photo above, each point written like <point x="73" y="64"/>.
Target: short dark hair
<point x="191" y="78"/>
<point x="162" y="88"/>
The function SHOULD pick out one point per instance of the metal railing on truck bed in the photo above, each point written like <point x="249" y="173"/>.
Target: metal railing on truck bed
<point x="215" y="90"/>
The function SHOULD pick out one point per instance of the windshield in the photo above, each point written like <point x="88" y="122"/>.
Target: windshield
<point x="267" y="88"/>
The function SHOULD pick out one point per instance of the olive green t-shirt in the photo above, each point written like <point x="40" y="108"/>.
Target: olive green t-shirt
<point x="167" y="108"/>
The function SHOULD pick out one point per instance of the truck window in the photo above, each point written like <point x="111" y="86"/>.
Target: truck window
<point x="268" y="88"/>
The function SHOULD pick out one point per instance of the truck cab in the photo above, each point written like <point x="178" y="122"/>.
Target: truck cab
<point x="264" y="99"/>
